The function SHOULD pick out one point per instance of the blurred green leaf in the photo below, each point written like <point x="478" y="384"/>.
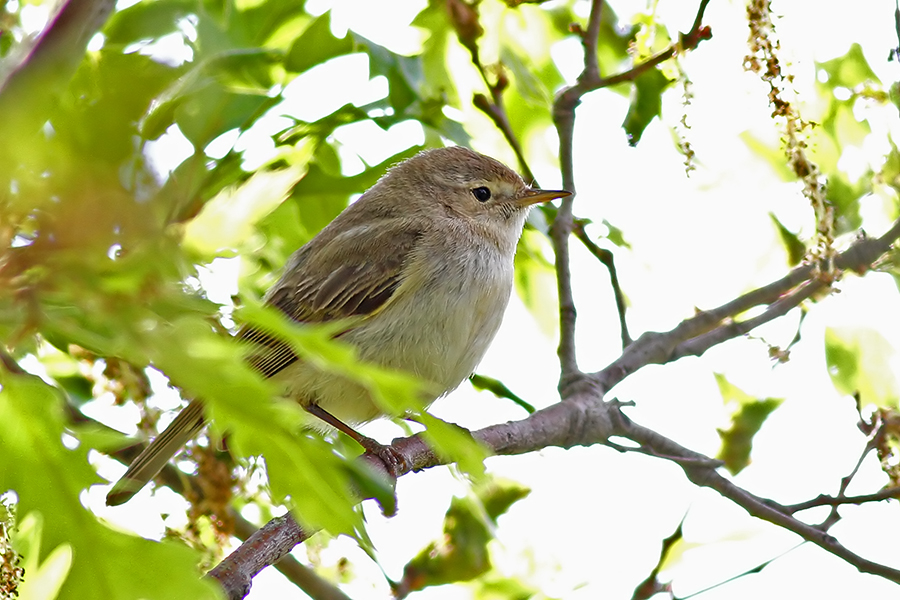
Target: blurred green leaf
<point x="616" y="235"/>
<point x="31" y="427"/>
<point x="316" y="45"/>
<point x="529" y="84"/>
<point x="646" y="103"/>
<point x="146" y="20"/>
<point x="614" y="41"/>
<point x="462" y="554"/>
<point x="77" y="387"/>
<point x="849" y="70"/>
<point x="433" y="19"/>
<point x="320" y="196"/>
<point x="252" y="70"/>
<point x="269" y="23"/>
<point x="499" y="389"/>
<point x="771" y="153"/>
<point x="211" y="110"/>
<point x="794" y="247"/>
<point x="844" y="196"/>
<point x="890" y="170"/>
<point x="747" y="418"/>
<point x="454" y="444"/>
<point x="98" y="115"/>
<point x="46" y="577"/>
<point x="206" y="365"/>
<point x="859" y="362"/>
<point x="228" y="219"/>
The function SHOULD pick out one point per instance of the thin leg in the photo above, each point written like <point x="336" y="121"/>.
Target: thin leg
<point x="394" y="462"/>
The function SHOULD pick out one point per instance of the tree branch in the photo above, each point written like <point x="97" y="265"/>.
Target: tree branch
<point x="696" y="335"/>
<point x="296" y="572"/>
<point x="826" y="500"/>
<point x="28" y="92"/>
<point x="267" y="546"/>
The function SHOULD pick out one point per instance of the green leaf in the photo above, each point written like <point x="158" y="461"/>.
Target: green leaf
<point x="405" y="75"/>
<point x="845" y="197"/>
<point x="146" y="20"/>
<point x="616" y="235"/>
<point x="316" y="45"/>
<point x="499" y="389"/>
<point x="252" y="70"/>
<point x="269" y="23"/>
<point x="531" y="87"/>
<point x="859" y="362"/>
<point x="794" y="247"/>
<point x="46" y="577"/>
<point x="614" y="41"/>
<point x="303" y="467"/>
<point x="746" y="420"/>
<point x="646" y="103"/>
<point x="433" y="19"/>
<point x="462" y="554"/>
<point x="849" y="70"/>
<point x="103" y="564"/>
<point x="772" y="154"/>
<point x="454" y="444"/>
<point x="228" y="219"/>
<point x="890" y="170"/>
<point x="97" y="116"/>
<point x="212" y="110"/>
<point x="493" y="586"/>
<point x="321" y="195"/>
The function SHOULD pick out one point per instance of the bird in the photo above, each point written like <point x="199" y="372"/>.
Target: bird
<point x="421" y="266"/>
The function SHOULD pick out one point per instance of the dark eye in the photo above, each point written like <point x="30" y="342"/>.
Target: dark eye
<point x="482" y="194"/>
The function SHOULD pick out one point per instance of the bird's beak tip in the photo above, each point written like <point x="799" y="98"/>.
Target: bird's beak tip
<point x="537" y="196"/>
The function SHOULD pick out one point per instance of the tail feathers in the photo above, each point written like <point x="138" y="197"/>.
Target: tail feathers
<point x="185" y="427"/>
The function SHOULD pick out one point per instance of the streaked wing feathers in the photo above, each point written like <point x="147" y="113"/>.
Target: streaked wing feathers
<point x="311" y="292"/>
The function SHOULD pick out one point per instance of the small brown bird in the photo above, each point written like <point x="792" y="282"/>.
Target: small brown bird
<point x="423" y="262"/>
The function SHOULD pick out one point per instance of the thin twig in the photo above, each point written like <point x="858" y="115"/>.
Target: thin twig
<point x="705" y="476"/>
<point x="494" y="109"/>
<point x="751" y="571"/>
<point x="891" y="493"/>
<point x="9" y="363"/>
<point x="661" y="348"/>
<point x="606" y="257"/>
<point x="700" y="344"/>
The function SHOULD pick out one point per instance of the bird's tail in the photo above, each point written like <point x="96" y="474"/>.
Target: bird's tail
<point x="184" y="428"/>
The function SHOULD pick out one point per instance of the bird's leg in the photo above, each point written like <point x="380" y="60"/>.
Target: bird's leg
<point x="393" y="461"/>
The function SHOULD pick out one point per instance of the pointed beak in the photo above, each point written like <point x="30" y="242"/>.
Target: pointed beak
<point x="534" y="196"/>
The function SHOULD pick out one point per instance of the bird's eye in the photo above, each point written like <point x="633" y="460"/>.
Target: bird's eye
<point x="482" y="194"/>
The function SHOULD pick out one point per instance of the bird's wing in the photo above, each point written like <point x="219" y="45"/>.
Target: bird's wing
<point x="358" y="286"/>
<point x="318" y="287"/>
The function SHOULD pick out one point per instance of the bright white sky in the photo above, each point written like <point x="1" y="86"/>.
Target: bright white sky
<point x="595" y="519"/>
